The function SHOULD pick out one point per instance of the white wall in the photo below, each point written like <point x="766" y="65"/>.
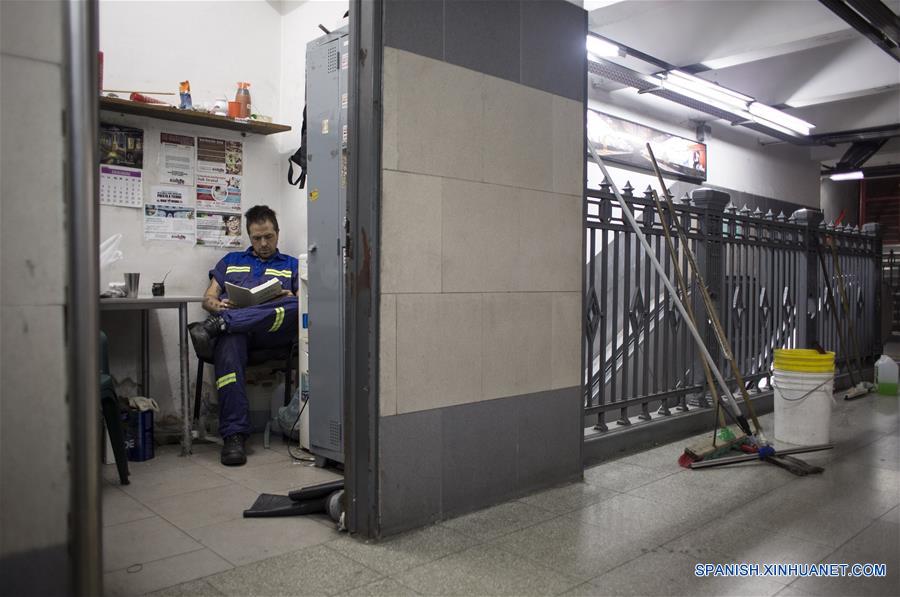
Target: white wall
<point x="735" y="158"/>
<point x="152" y="46"/>
<point x="34" y="417"/>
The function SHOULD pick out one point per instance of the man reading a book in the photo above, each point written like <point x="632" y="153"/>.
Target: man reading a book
<point x="231" y="331"/>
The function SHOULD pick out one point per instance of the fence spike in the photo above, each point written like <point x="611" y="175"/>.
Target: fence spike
<point x="830" y="225"/>
<point x="744" y="210"/>
<point x="856" y="228"/>
<point x="731" y="208"/>
<point x="782" y="217"/>
<point x="757" y="213"/>
<point x="648" y="192"/>
<point x="627" y="189"/>
<point x="770" y="215"/>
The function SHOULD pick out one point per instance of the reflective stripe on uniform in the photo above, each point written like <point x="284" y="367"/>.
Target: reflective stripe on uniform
<point x="225" y="380"/>
<point x="284" y="273"/>
<point x="237" y="269"/>
<point x="279" y="319"/>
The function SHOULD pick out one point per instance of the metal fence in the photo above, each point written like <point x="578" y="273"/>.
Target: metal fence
<point x="891" y="279"/>
<point x="764" y="274"/>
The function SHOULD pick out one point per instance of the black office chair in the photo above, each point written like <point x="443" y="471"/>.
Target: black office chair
<point x="277" y="359"/>
<point x="112" y="415"/>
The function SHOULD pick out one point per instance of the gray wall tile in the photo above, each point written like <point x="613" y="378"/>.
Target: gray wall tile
<point x="483" y="35"/>
<point x="549" y="426"/>
<point x="416" y="26"/>
<point x="410" y="449"/>
<point x="479" y="455"/>
<point x="552" y="42"/>
<point x="447" y="461"/>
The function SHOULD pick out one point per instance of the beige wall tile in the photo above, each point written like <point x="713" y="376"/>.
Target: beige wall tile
<point x="32" y="29"/>
<point x="411" y="233"/>
<point x="439" y="127"/>
<point x="387" y="356"/>
<point x="518" y="140"/>
<point x="32" y="235"/>
<point x="480" y="237"/>
<point x="33" y="409"/>
<point x="565" y="340"/>
<point x="439" y="361"/>
<point x="568" y="146"/>
<point x="390" y="99"/>
<point x="516" y="348"/>
<point x="550" y="241"/>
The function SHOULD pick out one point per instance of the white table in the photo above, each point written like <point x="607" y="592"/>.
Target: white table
<point x="145" y="304"/>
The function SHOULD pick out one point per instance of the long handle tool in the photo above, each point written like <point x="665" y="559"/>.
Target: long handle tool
<point x="829" y="290"/>
<point x="682" y="285"/>
<point x="762" y="456"/>
<point x="728" y="400"/>
<point x="704" y="293"/>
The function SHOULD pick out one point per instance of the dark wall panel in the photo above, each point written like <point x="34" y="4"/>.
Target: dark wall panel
<point x="538" y="43"/>
<point x="411" y="462"/>
<point x="415" y="26"/>
<point x="447" y="461"/>
<point x="483" y="35"/>
<point x="553" y="48"/>
<point x="479" y="455"/>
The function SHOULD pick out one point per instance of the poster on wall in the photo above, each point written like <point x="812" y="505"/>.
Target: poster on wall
<point x="176" y="196"/>
<point x="176" y="159"/>
<point x="121" y="166"/>
<point x="624" y="142"/>
<point x="220" y="168"/>
<point x="169" y="222"/>
<point x="217" y="229"/>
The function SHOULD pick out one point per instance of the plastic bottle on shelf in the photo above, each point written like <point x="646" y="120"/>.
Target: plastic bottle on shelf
<point x="243" y="98"/>
<point x="184" y="92"/>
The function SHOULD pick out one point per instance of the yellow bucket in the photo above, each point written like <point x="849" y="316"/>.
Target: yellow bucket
<point x="803" y="360"/>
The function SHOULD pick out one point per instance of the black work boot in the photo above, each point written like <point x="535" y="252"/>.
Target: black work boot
<point x="203" y="336"/>
<point x="233" y="453"/>
<point x="214" y="325"/>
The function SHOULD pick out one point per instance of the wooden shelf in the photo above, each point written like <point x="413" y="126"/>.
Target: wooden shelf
<point x="110" y="104"/>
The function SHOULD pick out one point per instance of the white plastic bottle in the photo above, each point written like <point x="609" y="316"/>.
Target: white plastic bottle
<point x="886" y="375"/>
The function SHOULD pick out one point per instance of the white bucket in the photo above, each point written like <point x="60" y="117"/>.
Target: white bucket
<point x="802" y="407"/>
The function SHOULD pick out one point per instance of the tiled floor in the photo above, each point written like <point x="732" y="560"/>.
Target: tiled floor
<point x="636" y="526"/>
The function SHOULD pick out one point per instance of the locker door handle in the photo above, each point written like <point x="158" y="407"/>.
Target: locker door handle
<point x="312" y="248"/>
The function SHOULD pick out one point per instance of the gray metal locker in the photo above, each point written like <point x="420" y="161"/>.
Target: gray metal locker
<point x="326" y="137"/>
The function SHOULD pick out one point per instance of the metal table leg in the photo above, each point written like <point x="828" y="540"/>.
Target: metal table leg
<point x="185" y="399"/>
<point x="145" y="352"/>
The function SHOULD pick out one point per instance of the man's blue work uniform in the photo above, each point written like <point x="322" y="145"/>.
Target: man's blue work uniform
<point x="268" y="325"/>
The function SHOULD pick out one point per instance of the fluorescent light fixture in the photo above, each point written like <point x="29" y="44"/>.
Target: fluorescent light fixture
<point x="703" y="83"/>
<point x="601" y="47"/>
<point x="847" y="175"/>
<point x="730" y="105"/>
<point x="780" y="118"/>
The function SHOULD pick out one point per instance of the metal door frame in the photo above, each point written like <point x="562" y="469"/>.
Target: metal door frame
<point x="361" y="412"/>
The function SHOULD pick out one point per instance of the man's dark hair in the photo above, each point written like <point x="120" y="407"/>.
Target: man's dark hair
<point x="260" y="214"/>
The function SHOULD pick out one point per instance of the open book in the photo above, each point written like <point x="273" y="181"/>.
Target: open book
<point x="247" y="297"/>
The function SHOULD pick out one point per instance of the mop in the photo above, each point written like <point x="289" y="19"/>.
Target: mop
<point x="759" y="447"/>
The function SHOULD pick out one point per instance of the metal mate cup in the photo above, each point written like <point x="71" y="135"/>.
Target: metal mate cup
<point x="132" y="283"/>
